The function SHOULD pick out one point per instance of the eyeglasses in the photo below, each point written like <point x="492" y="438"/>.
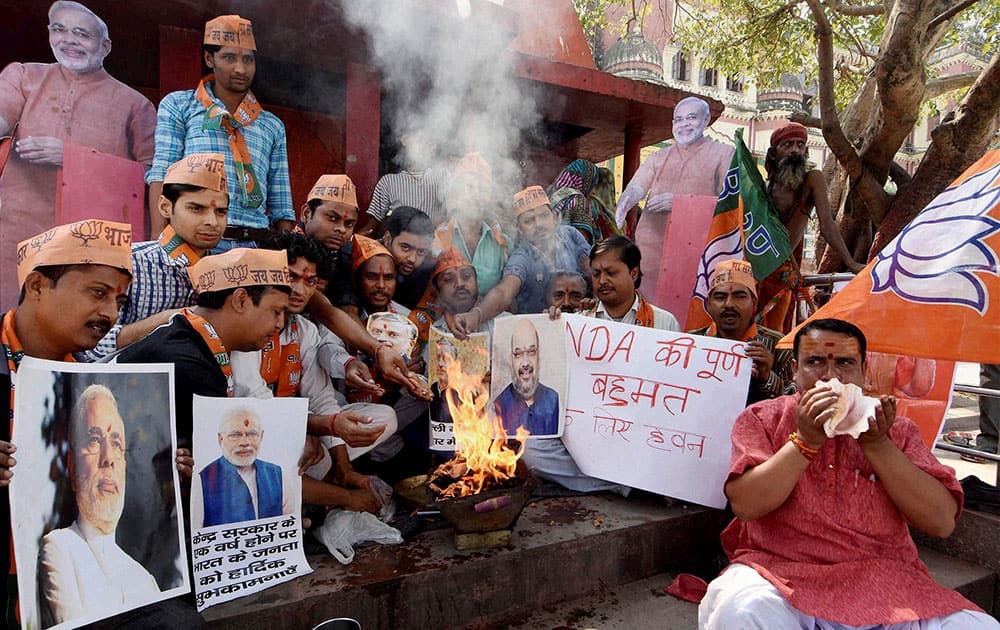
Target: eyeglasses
<point x="525" y="352"/>
<point x="76" y="31"/>
<point x="689" y="118"/>
<point x="236" y="435"/>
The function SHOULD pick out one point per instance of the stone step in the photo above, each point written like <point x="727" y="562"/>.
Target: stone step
<point x="596" y="561"/>
<point x="643" y="604"/>
<point x="561" y="549"/>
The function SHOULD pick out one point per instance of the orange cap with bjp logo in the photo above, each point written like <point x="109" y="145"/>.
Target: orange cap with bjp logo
<point x="204" y="170"/>
<point x="735" y="270"/>
<point x="365" y="248"/>
<point x="87" y="242"/>
<point x="230" y="30"/>
<point x="450" y="258"/>
<point x="240" y="267"/>
<point x="336" y="189"/>
<point x="528" y="199"/>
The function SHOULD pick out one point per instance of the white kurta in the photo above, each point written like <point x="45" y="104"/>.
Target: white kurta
<point x="83" y="573"/>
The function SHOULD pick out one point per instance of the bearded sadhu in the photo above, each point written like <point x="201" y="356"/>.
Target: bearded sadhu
<point x="796" y="190"/>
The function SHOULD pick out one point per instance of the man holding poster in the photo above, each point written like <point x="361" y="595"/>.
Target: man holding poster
<point x="72" y="280"/>
<point x="81" y="569"/>
<point x="821" y="536"/>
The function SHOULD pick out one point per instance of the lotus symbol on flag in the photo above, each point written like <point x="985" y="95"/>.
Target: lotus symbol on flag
<point x="936" y="258"/>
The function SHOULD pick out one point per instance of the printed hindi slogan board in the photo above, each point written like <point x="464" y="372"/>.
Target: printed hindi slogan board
<point x="246" y="496"/>
<point x="95" y="498"/>
<point x="653" y="409"/>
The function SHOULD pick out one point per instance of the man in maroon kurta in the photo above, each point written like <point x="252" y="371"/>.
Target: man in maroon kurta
<point x="44" y="105"/>
<point x="821" y="538"/>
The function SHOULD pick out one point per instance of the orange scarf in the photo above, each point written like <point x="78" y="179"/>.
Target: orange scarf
<point x="644" y="313"/>
<point x="215" y="346"/>
<point x="281" y="365"/>
<point x="175" y="246"/>
<point x="217" y="117"/>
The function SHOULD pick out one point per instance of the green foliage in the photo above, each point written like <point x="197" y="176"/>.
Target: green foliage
<point x="763" y="40"/>
<point x="979" y="27"/>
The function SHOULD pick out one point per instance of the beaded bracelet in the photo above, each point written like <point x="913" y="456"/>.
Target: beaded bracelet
<point x="807" y="451"/>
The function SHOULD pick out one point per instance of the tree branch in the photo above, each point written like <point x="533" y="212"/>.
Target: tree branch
<point x="847" y="9"/>
<point x="899" y="175"/>
<point x="950" y="13"/>
<point x="937" y="87"/>
<point x="956" y="145"/>
<point x="832" y="131"/>
<point x="805" y="119"/>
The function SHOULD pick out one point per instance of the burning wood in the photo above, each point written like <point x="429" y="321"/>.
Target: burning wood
<point x="483" y="458"/>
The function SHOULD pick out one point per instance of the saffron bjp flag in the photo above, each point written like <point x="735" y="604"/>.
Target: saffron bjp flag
<point x="933" y="291"/>
<point x="745" y="225"/>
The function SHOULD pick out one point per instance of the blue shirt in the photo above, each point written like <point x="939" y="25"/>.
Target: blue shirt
<point x="159" y="283"/>
<point x="541" y="418"/>
<point x="179" y="132"/>
<point x="528" y="264"/>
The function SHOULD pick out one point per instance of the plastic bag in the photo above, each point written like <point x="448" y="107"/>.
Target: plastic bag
<point x="341" y="531"/>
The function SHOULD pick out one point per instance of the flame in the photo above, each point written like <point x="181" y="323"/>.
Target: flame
<point x="480" y="438"/>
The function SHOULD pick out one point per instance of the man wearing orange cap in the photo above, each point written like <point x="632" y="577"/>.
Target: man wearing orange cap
<point x="732" y="303"/>
<point x="408" y="235"/>
<point x="195" y="201"/>
<point x="43" y="106"/>
<point x="241" y="300"/>
<point x="542" y="248"/>
<point x="290" y="365"/>
<point x="472" y="228"/>
<point x="796" y="190"/>
<point x="73" y="279"/>
<point x="223" y="116"/>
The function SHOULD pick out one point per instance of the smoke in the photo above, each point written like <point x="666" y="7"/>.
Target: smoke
<point x="448" y="83"/>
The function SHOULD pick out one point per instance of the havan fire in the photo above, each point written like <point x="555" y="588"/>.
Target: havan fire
<point x="484" y="460"/>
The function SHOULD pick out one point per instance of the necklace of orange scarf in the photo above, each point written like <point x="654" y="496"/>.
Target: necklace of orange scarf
<point x="217" y="117"/>
<point x="281" y="364"/>
<point x="176" y="247"/>
<point x="215" y="346"/>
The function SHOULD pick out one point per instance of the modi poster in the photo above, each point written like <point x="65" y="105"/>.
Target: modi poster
<point x="98" y="522"/>
<point x="528" y="375"/>
<point x="660" y="401"/>
<point x="246" y="496"/>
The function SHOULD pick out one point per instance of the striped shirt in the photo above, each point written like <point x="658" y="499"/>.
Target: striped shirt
<point x="422" y="190"/>
<point x="179" y="132"/>
<point x="159" y="283"/>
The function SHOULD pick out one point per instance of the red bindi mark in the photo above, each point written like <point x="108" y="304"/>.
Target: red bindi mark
<point x="829" y="344"/>
<point x="214" y="205"/>
<point x="108" y="430"/>
<point x="829" y="357"/>
<point x="246" y="423"/>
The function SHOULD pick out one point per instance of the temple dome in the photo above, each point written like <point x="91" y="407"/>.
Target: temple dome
<point x="635" y="58"/>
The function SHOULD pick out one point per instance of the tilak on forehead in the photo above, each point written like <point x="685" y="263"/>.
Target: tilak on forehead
<point x="837" y="345"/>
<point x="87" y="242"/>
